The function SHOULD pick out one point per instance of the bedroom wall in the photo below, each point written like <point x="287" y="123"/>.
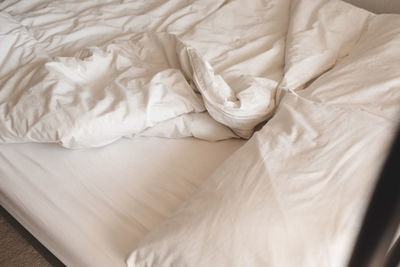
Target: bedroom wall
<point x="378" y="6"/>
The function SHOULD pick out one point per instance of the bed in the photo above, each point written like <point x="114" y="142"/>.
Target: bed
<point x="195" y="133"/>
<point x="105" y="210"/>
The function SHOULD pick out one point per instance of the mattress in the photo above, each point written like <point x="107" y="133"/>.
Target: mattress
<point x="91" y="207"/>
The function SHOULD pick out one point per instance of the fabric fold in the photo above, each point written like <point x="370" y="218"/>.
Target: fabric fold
<point x="125" y="87"/>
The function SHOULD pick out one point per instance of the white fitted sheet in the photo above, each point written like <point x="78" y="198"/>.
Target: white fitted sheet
<point x="90" y="207"/>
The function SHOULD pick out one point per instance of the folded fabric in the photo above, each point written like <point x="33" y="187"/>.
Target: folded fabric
<point x="296" y="192"/>
<point x="227" y="61"/>
<point x="293" y="195"/>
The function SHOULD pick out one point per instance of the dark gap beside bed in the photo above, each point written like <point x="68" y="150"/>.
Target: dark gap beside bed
<point x="42" y="250"/>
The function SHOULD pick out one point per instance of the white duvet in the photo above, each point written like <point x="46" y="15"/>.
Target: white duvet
<point x="62" y="85"/>
<point x="84" y="74"/>
<point x="296" y="192"/>
<point x="209" y="69"/>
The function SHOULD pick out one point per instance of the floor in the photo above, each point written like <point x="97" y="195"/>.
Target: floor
<point x="18" y="248"/>
<point x="15" y="250"/>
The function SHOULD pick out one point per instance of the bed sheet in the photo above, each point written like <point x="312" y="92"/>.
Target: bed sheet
<point x="90" y="207"/>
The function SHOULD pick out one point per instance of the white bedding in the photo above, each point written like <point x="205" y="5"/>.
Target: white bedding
<point x="294" y="195"/>
<point x="296" y="192"/>
<point x="61" y="85"/>
<point x="91" y="207"/>
<point x="83" y="92"/>
<point x="86" y="73"/>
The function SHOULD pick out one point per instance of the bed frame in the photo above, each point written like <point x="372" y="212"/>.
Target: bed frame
<point x="382" y="218"/>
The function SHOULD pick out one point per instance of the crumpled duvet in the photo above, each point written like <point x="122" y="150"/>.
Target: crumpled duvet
<point x="295" y="194"/>
<point x="76" y="75"/>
